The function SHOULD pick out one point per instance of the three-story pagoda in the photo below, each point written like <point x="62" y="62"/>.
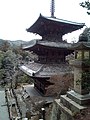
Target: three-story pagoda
<point x="51" y="49"/>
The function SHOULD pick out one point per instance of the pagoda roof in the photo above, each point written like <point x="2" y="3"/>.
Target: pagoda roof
<point x="55" y="44"/>
<point x="35" y="43"/>
<point x="46" y="25"/>
<point x="44" y="70"/>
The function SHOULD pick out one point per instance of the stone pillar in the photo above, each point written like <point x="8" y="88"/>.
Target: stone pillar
<point x="77" y="80"/>
<point x="77" y="99"/>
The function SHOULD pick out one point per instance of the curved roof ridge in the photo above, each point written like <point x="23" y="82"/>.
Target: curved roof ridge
<point x="44" y="25"/>
<point x="61" y="20"/>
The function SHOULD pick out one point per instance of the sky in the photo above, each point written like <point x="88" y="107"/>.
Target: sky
<point x="18" y="15"/>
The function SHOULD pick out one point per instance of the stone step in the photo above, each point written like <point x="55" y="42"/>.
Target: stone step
<point x="63" y="108"/>
<point x="70" y="104"/>
<point x="80" y="99"/>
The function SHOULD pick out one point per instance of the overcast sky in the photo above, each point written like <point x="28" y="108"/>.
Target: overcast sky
<point x="18" y="15"/>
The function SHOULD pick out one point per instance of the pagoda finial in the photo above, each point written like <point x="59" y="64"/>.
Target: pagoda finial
<point x="52" y="8"/>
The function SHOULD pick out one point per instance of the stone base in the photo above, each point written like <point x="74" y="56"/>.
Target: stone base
<point x="66" y="114"/>
<point x="80" y="99"/>
<point x="68" y="107"/>
<point x="72" y="103"/>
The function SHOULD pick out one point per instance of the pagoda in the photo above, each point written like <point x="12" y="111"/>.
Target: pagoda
<point x="51" y="50"/>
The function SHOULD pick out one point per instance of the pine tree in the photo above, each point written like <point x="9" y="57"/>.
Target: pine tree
<point x="86" y="5"/>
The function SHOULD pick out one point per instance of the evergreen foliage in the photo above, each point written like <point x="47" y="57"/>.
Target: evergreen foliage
<point x="10" y="58"/>
<point x="86" y="5"/>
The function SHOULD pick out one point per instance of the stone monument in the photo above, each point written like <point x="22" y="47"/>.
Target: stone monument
<point x="78" y="99"/>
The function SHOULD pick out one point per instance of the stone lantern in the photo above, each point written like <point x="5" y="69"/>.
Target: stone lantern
<point x="77" y="99"/>
<point x="81" y="65"/>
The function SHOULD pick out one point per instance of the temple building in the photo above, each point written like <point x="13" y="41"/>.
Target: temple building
<point x="51" y="50"/>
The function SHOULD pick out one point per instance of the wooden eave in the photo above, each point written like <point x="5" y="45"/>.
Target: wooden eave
<point x="37" y="70"/>
<point x="45" y="25"/>
<point x="59" y="45"/>
<point x="47" y="44"/>
<point x="31" y="48"/>
<point x="31" y="45"/>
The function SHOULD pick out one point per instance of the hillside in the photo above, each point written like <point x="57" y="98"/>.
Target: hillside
<point x="15" y="43"/>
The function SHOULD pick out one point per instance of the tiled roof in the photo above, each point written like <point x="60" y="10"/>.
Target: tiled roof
<point x="30" y="44"/>
<point x="55" y="44"/>
<point x="45" y="70"/>
<point x="48" y="43"/>
<point x="53" y="69"/>
<point x="30" y="68"/>
<point x="40" y="26"/>
<point x="65" y="21"/>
